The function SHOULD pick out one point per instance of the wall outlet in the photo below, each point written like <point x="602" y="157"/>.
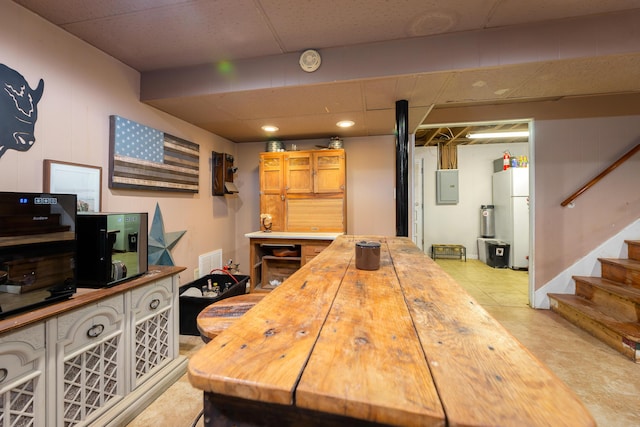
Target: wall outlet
<point x="196" y="274"/>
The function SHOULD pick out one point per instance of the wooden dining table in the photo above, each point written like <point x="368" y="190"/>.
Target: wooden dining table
<point x="402" y="345"/>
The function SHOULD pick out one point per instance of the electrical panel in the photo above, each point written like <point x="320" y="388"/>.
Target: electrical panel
<point x="447" y="186"/>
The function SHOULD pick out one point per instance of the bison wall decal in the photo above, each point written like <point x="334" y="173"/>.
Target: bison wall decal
<point x="18" y="110"/>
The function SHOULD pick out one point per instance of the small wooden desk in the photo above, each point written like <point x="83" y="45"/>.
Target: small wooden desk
<point x="403" y="345"/>
<point x="264" y="267"/>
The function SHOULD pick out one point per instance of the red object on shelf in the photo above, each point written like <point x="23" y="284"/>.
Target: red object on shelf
<point x="505" y="161"/>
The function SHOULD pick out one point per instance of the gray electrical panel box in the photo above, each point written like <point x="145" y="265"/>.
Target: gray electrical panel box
<point x="447" y="186"/>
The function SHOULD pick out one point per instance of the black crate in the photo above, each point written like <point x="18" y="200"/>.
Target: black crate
<point x="190" y="306"/>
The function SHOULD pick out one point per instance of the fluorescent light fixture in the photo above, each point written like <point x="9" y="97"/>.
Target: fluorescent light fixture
<point x="345" y="123"/>
<point x="491" y="135"/>
<point x="270" y="128"/>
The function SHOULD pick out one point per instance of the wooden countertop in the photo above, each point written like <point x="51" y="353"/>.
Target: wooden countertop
<point x="291" y="235"/>
<point x="84" y="296"/>
<point x="402" y="345"/>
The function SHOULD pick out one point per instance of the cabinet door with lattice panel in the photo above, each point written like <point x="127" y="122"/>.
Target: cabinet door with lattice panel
<point x="22" y="377"/>
<point x="153" y="332"/>
<point x="90" y="361"/>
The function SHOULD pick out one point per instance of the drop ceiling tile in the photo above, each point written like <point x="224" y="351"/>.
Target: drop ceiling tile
<point x="225" y="29"/>
<point x="67" y="11"/>
<point x="485" y="84"/>
<point x="321" y="99"/>
<point x="575" y="77"/>
<point x="512" y="12"/>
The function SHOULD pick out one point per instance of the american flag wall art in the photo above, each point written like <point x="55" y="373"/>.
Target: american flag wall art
<point x="142" y="157"/>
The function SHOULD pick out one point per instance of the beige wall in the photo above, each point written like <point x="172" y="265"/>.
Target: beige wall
<point x="370" y="187"/>
<point x="573" y="141"/>
<point x="83" y="87"/>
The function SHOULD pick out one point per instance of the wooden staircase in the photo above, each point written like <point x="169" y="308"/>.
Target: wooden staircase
<point x="608" y="307"/>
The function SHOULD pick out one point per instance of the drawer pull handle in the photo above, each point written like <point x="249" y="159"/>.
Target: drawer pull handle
<point x="155" y="303"/>
<point x="95" y="331"/>
<point x="4" y="373"/>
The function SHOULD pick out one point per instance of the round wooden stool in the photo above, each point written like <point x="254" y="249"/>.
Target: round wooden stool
<point x="217" y="317"/>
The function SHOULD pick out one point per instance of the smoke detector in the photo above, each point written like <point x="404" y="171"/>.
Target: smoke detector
<point x="310" y="60"/>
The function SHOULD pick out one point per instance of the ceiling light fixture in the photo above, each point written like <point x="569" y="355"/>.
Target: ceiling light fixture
<point x="491" y="135"/>
<point x="270" y="128"/>
<point x="345" y="123"/>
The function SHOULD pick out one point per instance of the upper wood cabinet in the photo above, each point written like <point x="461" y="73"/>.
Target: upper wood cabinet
<point x="272" y="193"/>
<point x="304" y="190"/>
<point x="321" y="171"/>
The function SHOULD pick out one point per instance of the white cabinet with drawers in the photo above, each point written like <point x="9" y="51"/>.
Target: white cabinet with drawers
<point x="90" y="360"/>
<point x="22" y="379"/>
<point x="100" y="363"/>
<point x="154" y="332"/>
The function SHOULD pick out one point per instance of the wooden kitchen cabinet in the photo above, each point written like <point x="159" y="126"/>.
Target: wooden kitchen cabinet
<point x="315" y="172"/>
<point x="329" y="171"/>
<point x="299" y="172"/>
<point x="304" y="190"/>
<point x="310" y="251"/>
<point x="272" y="193"/>
<point x="268" y="270"/>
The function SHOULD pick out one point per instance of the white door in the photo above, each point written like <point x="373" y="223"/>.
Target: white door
<point x="418" y="214"/>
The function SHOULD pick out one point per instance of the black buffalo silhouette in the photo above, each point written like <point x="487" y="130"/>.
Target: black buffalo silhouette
<point x="18" y="110"/>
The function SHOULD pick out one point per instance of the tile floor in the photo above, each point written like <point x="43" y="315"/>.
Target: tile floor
<point x="607" y="382"/>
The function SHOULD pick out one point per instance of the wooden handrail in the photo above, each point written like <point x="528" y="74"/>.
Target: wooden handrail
<point x="602" y="174"/>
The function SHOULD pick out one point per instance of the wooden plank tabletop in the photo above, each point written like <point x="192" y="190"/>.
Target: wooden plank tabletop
<point x="483" y="374"/>
<point x="262" y="356"/>
<point x="367" y="362"/>
<point x="402" y="345"/>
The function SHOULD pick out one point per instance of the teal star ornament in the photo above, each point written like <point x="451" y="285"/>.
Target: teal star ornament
<point x="161" y="243"/>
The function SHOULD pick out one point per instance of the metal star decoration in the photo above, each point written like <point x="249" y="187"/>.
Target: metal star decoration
<point x="161" y="243"/>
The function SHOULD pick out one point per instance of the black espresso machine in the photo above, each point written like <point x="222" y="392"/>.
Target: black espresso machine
<point x="112" y="248"/>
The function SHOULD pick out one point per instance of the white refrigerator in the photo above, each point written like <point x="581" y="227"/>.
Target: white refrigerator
<point x="511" y="211"/>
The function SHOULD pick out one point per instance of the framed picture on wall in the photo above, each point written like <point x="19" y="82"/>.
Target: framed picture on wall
<point x="72" y="178"/>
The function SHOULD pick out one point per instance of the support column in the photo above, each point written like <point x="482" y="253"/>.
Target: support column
<point x="402" y="168"/>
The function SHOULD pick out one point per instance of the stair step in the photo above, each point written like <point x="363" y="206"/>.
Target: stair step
<point x="633" y="247"/>
<point x="625" y="271"/>
<point x="622" y="336"/>
<point x="618" y="301"/>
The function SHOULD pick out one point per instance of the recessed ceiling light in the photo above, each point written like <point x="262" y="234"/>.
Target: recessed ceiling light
<point x="345" y="123"/>
<point x="270" y="128"/>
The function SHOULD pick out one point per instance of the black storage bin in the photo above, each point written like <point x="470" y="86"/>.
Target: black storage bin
<point x="133" y="242"/>
<point x="497" y="254"/>
<point x="190" y="306"/>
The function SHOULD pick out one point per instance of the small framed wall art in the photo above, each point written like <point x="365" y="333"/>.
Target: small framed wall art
<point x="72" y="178"/>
